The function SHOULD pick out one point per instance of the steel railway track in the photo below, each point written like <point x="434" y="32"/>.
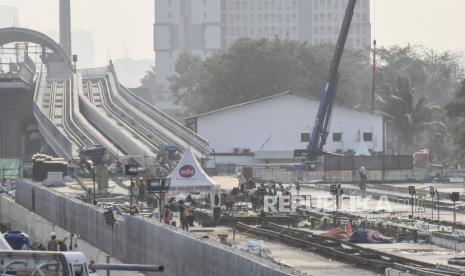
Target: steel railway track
<point x="123" y="116"/>
<point x="343" y="251"/>
<point x="165" y="121"/>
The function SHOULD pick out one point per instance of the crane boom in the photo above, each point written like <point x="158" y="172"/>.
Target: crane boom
<point x="323" y="117"/>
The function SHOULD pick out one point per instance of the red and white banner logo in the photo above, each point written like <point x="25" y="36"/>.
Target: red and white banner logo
<point x="187" y="171"/>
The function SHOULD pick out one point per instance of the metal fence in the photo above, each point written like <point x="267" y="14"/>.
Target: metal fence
<point x="344" y="176"/>
<point x="345" y="169"/>
<point x="384" y="162"/>
<point x="10" y="169"/>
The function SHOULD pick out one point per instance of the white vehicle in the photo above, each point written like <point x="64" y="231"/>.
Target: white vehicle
<point x="46" y="263"/>
<point x="19" y="262"/>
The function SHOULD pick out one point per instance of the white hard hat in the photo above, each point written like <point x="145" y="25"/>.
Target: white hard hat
<point x="53" y="234"/>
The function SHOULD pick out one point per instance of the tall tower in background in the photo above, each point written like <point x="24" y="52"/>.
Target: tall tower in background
<point x="65" y="27"/>
<point x="184" y="26"/>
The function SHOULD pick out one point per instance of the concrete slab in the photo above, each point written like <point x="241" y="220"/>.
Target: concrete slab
<point x="418" y="251"/>
<point x="301" y="260"/>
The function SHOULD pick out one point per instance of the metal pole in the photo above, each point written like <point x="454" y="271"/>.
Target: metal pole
<point x="214" y="158"/>
<point x="373" y="81"/>
<point x="130" y="195"/>
<point x="93" y="180"/>
<point x="108" y="262"/>
<point x="412" y="206"/>
<point x="130" y="267"/>
<point x="159" y="206"/>
<point x="432" y="208"/>
<point x="145" y="164"/>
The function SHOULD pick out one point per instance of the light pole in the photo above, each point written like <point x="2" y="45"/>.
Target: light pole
<point x="454" y="196"/>
<point x="160" y="186"/>
<point x="214" y="158"/>
<point x="432" y="193"/>
<point x="412" y="192"/>
<point x="437" y="205"/>
<point x="93" y="180"/>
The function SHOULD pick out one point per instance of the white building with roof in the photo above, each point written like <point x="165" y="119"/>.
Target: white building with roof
<point x="268" y="130"/>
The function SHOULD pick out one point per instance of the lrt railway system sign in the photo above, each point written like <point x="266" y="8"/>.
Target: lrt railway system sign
<point x="189" y="175"/>
<point x="187" y="171"/>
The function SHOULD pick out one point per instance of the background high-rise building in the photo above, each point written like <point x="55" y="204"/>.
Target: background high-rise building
<point x="209" y="25"/>
<point x="9" y="16"/>
<point x="191" y="26"/>
<point x="261" y="19"/>
<point x="327" y="16"/>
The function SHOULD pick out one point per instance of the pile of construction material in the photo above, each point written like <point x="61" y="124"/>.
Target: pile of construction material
<point x="43" y="165"/>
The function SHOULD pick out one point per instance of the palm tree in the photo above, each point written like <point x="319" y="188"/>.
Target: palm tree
<point x="410" y="117"/>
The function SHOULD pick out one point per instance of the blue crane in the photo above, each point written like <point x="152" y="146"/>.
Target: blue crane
<point x="323" y="117"/>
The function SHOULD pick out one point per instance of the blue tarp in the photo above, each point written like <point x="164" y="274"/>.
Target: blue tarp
<point x="368" y="236"/>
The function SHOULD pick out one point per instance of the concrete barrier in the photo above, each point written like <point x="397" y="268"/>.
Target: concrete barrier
<point x="19" y="218"/>
<point x="448" y="241"/>
<point x="139" y="240"/>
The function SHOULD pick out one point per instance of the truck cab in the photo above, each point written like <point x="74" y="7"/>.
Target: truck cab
<point x="43" y="263"/>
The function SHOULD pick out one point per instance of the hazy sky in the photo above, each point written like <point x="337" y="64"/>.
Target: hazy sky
<point x="129" y="23"/>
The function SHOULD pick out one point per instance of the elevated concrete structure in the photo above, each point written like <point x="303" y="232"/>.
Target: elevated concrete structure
<point x="14" y="34"/>
<point x="58" y="62"/>
<point x="16" y="118"/>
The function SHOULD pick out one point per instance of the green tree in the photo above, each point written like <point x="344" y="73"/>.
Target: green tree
<point x="433" y="74"/>
<point x="252" y="69"/>
<point x="148" y="81"/>
<point x="185" y="80"/>
<point x="412" y="83"/>
<point x="410" y="117"/>
<point x="148" y="89"/>
<point x="456" y="112"/>
<point x="433" y="77"/>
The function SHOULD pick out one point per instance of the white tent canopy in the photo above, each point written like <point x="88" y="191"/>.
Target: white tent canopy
<point x="189" y="176"/>
<point x="362" y="149"/>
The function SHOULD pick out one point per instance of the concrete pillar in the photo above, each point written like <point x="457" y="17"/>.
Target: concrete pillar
<point x="65" y="27"/>
<point x="101" y="177"/>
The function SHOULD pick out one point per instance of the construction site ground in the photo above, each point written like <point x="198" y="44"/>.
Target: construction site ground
<point x="353" y="203"/>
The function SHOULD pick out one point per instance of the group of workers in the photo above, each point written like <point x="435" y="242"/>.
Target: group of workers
<point x="55" y="244"/>
<point x="185" y="216"/>
<point x="256" y="193"/>
<point x="138" y="189"/>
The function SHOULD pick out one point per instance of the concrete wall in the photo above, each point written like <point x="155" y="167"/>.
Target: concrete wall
<point x="38" y="229"/>
<point x="138" y="240"/>
<point x="15" y="116"/>
<point x="395" y="272"/>
<point x="448" y="241"/>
